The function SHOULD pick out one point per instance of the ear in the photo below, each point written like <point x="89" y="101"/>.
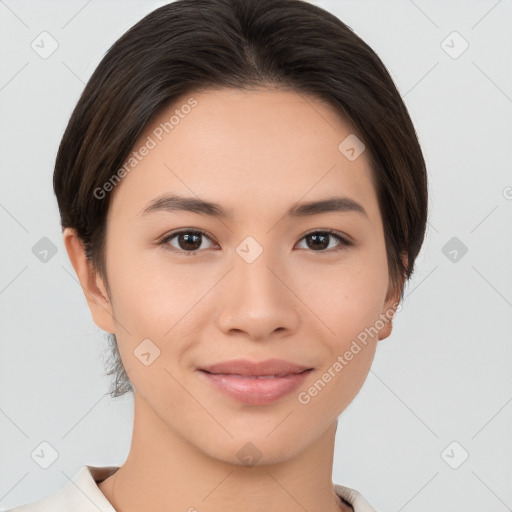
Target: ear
<point x="93" y="286"/>
<point x="390" y="305"/>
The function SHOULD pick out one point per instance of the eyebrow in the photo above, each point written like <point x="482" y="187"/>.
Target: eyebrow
<point x="173" y="203"/>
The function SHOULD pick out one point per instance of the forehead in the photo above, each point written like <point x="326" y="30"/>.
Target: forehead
<point x="245" y="149"/>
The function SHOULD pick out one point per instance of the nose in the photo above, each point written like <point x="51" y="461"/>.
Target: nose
<point x="258" y="301"/>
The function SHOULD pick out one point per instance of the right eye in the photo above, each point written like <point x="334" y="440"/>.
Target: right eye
<point x="189" y="241"/>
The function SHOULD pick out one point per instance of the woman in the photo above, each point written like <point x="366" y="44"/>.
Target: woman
<point x="243" y="197"/>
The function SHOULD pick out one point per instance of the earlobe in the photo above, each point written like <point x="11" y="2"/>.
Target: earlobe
<point x="387" y="317"/>
<point x="391" y="306"/>
<point x="90" y="281"/>
<point x="388" y="326"/>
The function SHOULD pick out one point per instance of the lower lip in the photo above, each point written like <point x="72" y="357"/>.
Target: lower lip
<point x="253" y="391"/>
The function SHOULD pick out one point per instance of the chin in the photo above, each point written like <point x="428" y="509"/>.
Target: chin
<point x="255" y="451"/>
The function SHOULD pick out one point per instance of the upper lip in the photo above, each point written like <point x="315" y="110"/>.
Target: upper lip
<point x="248" y="368"/>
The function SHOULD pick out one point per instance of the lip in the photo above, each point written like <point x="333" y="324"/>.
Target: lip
<point x="239" y="379"/>
<point x="248" y="368"/>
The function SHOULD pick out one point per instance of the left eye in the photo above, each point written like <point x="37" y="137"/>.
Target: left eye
<point x="320" y="240"/>
<point x="191" y="241"/>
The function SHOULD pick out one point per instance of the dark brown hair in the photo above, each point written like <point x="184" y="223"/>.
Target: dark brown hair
<point x="193" y="45"/>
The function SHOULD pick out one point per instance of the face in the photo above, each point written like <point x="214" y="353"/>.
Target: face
<point x="190" y="288"/>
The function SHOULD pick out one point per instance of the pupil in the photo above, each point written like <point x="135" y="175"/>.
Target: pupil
<point x="317" y="238"/>
<point x="188" y="240"/>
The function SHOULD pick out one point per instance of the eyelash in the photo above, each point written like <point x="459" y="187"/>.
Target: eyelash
<point x="165" y="241"/>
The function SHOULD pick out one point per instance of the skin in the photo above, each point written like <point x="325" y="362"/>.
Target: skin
<point x="256" y="153"/>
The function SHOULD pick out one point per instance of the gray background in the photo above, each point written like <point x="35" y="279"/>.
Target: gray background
<point x="444" y="374"/>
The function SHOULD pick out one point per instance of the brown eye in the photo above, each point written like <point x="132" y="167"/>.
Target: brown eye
<point x="186" y="241"/>
<point x="192" y="241"/>
<point x="320" y="241"/>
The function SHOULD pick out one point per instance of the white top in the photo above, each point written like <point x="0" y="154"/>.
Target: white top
<point x="82" y="494"/>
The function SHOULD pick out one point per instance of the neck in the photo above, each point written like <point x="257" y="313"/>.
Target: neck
<point x="164" y="472"/>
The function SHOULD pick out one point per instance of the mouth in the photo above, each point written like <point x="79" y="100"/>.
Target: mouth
<point x="256" y="383"/>
<point x="258" y="369"/>
<point x="257" y="376"/>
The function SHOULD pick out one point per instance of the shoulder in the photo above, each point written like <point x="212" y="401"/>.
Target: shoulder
<point x="355" y="498"/>
<point x="81" y="494"/>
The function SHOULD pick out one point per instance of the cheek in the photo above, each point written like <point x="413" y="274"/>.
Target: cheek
<point x="156" y="300"/>
<point x="151" y="293"/>
<point x="347" y="298"/>
<point x="351" y="312"/>
<point x="333" y="387"/>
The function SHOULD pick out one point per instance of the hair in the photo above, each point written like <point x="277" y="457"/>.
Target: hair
<point x="195" y="45"/>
